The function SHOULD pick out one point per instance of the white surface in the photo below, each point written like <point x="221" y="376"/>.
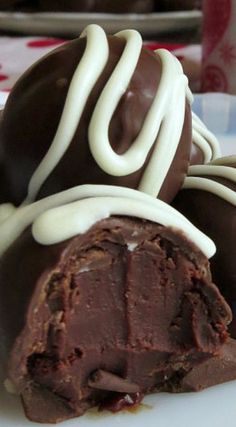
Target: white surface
<point x="214" y="407"/>
<point x="73" y="23"/>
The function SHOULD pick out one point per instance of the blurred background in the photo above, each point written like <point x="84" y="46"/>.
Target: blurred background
<point x="201" y="33"/>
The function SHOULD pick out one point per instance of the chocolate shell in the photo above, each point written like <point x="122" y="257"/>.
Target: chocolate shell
<point x="34" y="107"/>
<point x="79" y="326"/>
<point x="216" y="216"/>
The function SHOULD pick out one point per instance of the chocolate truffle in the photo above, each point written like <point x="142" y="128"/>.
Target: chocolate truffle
<point x="79" y="326"/>
<point x="208" y="200"/>
<point x="107" y="6"/>
<point x="109" y="75"/>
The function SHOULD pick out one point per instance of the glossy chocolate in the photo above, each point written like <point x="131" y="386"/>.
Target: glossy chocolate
<point x="33" y="111"/>
<point x="70" y="310"/>
<point x="217" y="218"/>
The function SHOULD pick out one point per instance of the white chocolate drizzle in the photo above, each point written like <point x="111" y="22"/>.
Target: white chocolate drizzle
<point x="71" y="212"/>
<point x="205" y="140"/>
<point x="226" y="161"/>
<point x="196" y="180"/>
<point x="74" y="211"/>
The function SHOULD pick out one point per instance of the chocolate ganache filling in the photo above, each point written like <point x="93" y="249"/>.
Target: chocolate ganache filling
<point x="84" y="327"/>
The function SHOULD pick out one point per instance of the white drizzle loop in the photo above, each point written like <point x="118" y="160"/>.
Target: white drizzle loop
<point x="195" y="180"/>
<point x="226" y="161"/>
<point x="83" y="81"/>
<point x="163" y="124"/>
<point x="74" y="211"/>
<point x="167" y="109"/>
<point x="205" y="140"/>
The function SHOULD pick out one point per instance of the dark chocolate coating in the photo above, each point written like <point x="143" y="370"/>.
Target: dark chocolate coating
<point x="217" y="218"/>
<point x="108" y="6"/>
<point x="72" y="309"/>
<point x="34" y="107"/>
<point x="196" y="155"/>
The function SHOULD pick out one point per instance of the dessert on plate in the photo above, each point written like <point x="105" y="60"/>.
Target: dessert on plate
<point x="105" y="290"/>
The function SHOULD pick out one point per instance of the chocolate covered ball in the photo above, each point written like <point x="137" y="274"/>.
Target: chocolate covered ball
<point x="209" y="202"/>
<point x="34" y="109"/>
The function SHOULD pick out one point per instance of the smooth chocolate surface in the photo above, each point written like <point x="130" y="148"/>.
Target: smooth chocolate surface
<point x="217" y="218"/>
<point x="34" y="108"/>
<point x="129" y="297"/>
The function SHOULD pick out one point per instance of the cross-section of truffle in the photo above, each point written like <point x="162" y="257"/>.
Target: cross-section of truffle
<point x="127" y="307"/>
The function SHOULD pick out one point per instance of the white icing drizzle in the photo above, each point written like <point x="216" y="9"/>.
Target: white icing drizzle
<point x="162" y="126"/>
<point x="196" y="181"/>
<point x="74" y="211"/>
<point x="6" y="210"/>
<point x="227" y="161"/>
<point x="205" y="140"/>
<point x="83" y="81"/>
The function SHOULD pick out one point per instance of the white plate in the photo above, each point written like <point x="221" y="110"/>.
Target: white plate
<point x="214" y="407"/>
<point x="70" y="24"/>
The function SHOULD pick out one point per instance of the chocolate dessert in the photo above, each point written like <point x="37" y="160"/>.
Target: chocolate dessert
<point x="84" y="329"/>
<point x="105" y="291"/>
<point x="126" y="112"/>
<point x="208" y="200"/>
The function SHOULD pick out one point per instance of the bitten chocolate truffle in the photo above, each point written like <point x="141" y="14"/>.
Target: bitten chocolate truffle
<point x="209" y="201"/>
<point x="105" y="291"/>
<point x="114" y="98"/>
<point x="80" y="327"/>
